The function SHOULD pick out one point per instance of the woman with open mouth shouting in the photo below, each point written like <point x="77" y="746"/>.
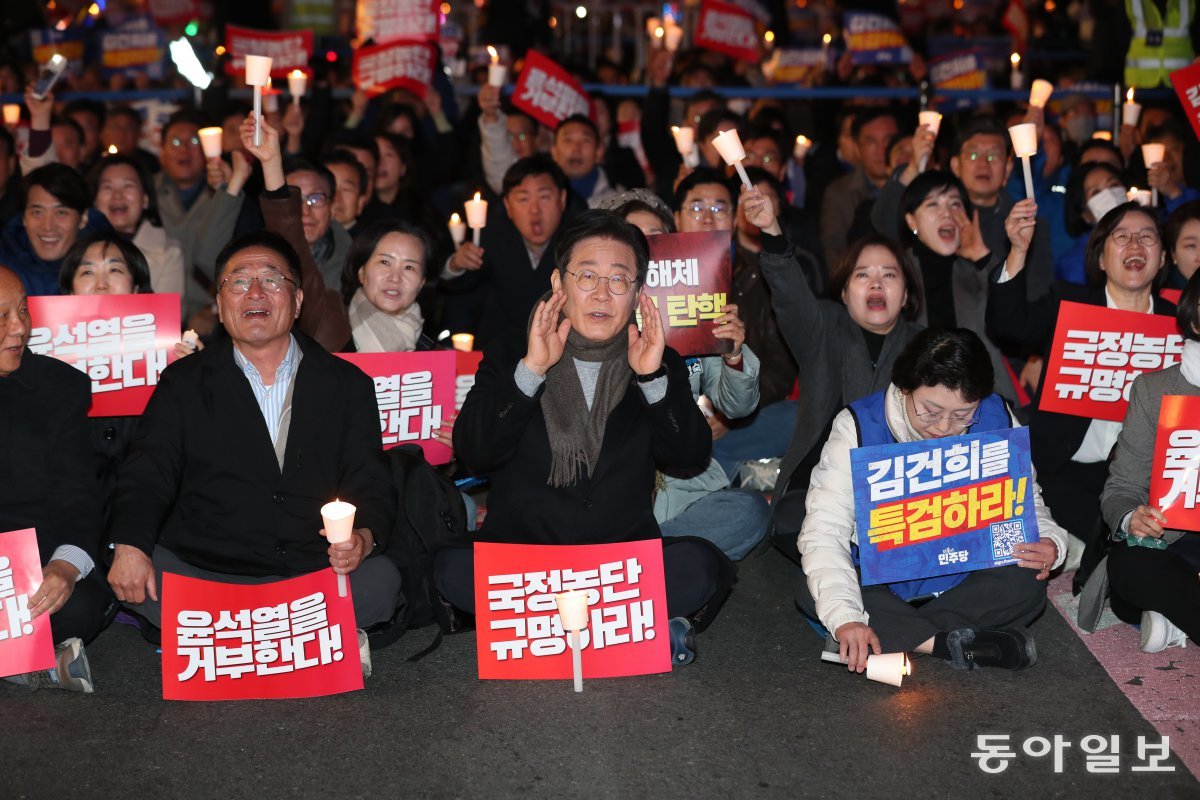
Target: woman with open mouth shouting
<point x="1124" y="263"/>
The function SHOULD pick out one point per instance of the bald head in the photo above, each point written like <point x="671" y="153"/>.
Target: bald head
<point x="14" y="322"/>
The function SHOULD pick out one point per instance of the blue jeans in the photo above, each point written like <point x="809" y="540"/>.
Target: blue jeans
<point x="767" y="436"/>
<point x="734" y="520"/>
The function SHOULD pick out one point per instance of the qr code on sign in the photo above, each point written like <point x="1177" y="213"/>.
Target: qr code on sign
<point x="1006" y="536"/>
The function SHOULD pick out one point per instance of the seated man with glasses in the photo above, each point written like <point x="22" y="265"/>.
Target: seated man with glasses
<point x="941" y="386"/>
<point x="326" y="238"/>
<point x="241" y="445"/>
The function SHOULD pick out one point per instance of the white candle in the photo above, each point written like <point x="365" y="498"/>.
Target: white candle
<point x="463" y="341"/>
<point x="1141" y="196"/>
<point x="497" y="72"/>
<point x="572" y="611"/>
<point x="1024" y="139"/>
<point x="1153" y="154"/>
<point x="1131" y="112"/>
<point x="12" y="114"/>
<point x="338" y="519"/>
<point x="801" y="148"/>
<point x="270" y="100"/>
<point x="889" y="668"/>
<point x="458" y="229"/>
<point x="1040" y="92"/>
<point x="476" y="216"/>
<point x="210" y="141"/>
<point x="1016" y="79"/>
<point x="258" y="72"/>
<point x="189" y="338"/>
<point x="933" y="121"/>
<point x="297" y="83"/>
<point x="674" y="37"/>
<point x="685" y="143"/>
<point x="729" y="145"/>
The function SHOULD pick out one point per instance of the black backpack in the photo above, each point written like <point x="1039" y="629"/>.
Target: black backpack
<point x="430" y="514"/>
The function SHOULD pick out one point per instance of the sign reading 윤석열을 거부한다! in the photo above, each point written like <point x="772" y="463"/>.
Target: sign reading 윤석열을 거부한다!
<point x="415" y="394"/>
<point x="519" y="634"/>
<point x="689" y="279"/>
<point x="26" y="644"/>
<point x="290" y="638"/>
<point x="1096" y="354"/>
<point x="1176" y="471"/>
<point x="399" y="65"/>
<point x="942" y="506"/>
<point x="547" y="92"/>
<point x="122" y="342"/>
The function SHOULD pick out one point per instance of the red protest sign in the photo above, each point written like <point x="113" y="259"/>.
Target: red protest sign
<point x="415" y="392"/>
<point x="1171" y="295"/>
<point x="729" y="30"/>
<point x="122" y="342"/>
<point x="466" y="364"/>
<point x="173" y="12"/>
<point x="291" y="638"/>
<point x="1097" y="352"/>
<point x="1173" y="480"/>
<point x="386" y="21"/>
<point x="546" y="92"/>
<point x="406" y="66"/>
<point x="25" y="644"/>
<point x="519" y="635"/>
<point x="689" y="279"/>
<point x="288" y="50"/>
<point x="1187" y="86"/>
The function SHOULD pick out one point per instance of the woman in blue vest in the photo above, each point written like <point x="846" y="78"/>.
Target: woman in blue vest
<point x="942" y="385"/>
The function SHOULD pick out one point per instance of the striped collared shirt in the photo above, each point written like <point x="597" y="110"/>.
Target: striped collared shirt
<point x="270" y="398"/>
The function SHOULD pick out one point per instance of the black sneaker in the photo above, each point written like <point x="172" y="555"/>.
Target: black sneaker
<point x="1010" y="648"/>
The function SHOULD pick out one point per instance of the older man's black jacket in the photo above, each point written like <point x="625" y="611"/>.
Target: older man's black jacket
<point x="47" y="473"/>
<point x="202" y="478"/>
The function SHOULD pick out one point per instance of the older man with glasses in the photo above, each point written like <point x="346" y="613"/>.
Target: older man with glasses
<point x="325" y="236"/>
<point x="240" y="446"/>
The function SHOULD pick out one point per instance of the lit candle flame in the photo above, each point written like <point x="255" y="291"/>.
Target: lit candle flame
<point x="827" y="38"/>
<point x="495" y="56"/>
<point x="659" y="32"/>
<point x="112" y="149"/>
<point x="802" y="140"/>
<point x="477" y="198"/>
<point x="1015" y="58"/>
<point x="455" y="219"/>
<point x="1129" y="95"/>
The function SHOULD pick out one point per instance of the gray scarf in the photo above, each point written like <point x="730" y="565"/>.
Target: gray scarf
<point x="576" y="433"/>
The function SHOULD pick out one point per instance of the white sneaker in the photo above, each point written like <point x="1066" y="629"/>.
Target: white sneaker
<point x="364" y="653"/>
<point x="70" y="672"/>
<point x="1159" y="633"/>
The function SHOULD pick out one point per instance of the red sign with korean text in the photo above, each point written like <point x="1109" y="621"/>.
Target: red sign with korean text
<point x="1171" y="295"/>
<point x="547" y="92"/>
<point x="518" y="632"/>
<point x="26" y="644"/>
<point x="728" y="29"/>
<point x="1176" y="472"/>
<point x="1097" y="352"/>
<point x="386" y="21"/>
<point x="173" y="12"/>
<point x="1187" y="86"/>
<point x="689" y="279"/>
<point x="288" y="50"/>
<point x="291" y="638"/>
<point x="415" y="392"/>
<point x="122" y="342"/>
<point x="407" y="66"/>
<point x="467" y="364"/>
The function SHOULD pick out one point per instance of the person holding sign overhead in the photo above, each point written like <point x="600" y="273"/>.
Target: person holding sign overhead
<point x="571" y="423"/>
<point x="941" y="386"/>
<point x="1152" y="568"/>
<point x="1124" y="261"/>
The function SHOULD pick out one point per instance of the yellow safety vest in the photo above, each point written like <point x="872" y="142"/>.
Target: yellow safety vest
<point x="1158" y="49"/>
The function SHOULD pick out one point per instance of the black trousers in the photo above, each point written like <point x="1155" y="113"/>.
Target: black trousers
<point x="1166" y="581"/>
<point x="87" y="611"/>
<point x="990" y="598"/>
<point x="697" y="576"/>
<point x="1073" y="496"/>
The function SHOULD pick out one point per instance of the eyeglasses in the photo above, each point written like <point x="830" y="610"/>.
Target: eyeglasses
<point x="176" y="142"/>
<point x="587" y="281"/>
<point x="698" y="209"/>
<point x="990" y="156"/>
<point x="518" y="137"/>
<point x="1125" y="238"/>
<point x="316" y="199"/>
<point x="272" y="283"/>
<point x="957" y="422"/>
